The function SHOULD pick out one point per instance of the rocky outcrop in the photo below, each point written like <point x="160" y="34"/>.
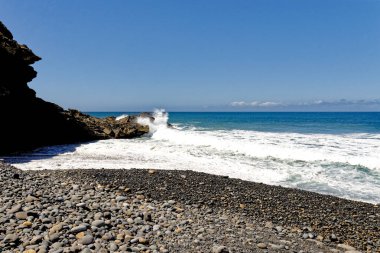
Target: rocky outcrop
<point x="110" y="127"/>
<point x="29" y="122"/>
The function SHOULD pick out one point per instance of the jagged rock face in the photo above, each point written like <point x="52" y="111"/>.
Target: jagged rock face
<point x="109" y="127"/>
<point x="15" y="70"/>
<point x="28" y="122"/>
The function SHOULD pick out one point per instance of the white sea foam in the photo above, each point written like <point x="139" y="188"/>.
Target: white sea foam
<point x="160" y="122"/>
<point x="121" y="116"/>
<point x="343" y="165"/>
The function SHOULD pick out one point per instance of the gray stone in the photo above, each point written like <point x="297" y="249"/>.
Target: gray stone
<point x="81" y="204"/>
<point x="11" y="238"/>
<point x="42" y="249"/>
<point x="47" y="221"/>
<point x="137" y="220"/>
<point x="276" y="246"/>
<point x="97" y="216"/>
<point x="113" y="246"/>
<point x="15" y="209"/>
<point x="78" y="229"/>
<point x="56" y="245"/>
<point x="56" y="228"/>
<point x="30" y="199"/>
<point x="98" y="223"/>
<point x="21" y="215"/>
<point x="220" y="249"/>
<point x="36" y="239"/>
<point x="86" y="240"/>
<point x="121" y="198"/>
<point x="278" y="228"/>
<point x="108" y="237"/>
<point x="261" y="245"/>
<point x="54" y="237"/>
<point x="269" y="224"/>
<point x="134" y="240"/>
<point x="345" y="247"/>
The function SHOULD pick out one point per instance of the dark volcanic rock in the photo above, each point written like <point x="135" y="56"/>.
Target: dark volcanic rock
<point x="108" y="127"/>
<point x="28" y="122"/>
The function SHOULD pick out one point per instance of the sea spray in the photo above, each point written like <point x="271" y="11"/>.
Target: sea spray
<point x="121" y="116"/>
<point x="345" y="165"/>
<point x="161" y="118"/>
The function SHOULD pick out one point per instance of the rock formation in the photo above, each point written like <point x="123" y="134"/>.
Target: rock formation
<point x="28" y="122"/>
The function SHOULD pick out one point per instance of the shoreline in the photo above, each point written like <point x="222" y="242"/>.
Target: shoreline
<point x="311" y="220"/>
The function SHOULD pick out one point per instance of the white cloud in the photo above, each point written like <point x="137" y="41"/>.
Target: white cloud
<point x="269" y="104"/>
<point x="239" y="103"/>
<point x="308" y="104"/>
<point x="255" y="104"/>
<point x="318" y="102"/>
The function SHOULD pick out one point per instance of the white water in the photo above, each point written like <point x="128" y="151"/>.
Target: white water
<point x="121" y="116"/>
<point x="343" y="165"/>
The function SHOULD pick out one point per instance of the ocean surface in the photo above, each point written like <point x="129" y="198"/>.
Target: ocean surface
<point x="329" y="153"/>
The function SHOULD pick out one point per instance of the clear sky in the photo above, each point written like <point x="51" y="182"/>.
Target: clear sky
<point x="197" y="55"/>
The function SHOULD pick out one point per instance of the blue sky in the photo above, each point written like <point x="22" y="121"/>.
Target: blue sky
<point x="198" y="55"/>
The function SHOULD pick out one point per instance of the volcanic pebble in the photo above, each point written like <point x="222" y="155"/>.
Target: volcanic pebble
<point x="46" y="211"/>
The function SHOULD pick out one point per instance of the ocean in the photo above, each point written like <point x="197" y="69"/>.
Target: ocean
<point x="328" y="153"/>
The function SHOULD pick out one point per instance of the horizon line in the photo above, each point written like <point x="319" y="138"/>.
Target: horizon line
<point x="240" y="111"/>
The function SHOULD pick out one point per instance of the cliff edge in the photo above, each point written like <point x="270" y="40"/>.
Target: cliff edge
<point x="28" y="122"/>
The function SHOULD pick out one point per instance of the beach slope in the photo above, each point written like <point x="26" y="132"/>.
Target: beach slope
<point x="174" y="211"/>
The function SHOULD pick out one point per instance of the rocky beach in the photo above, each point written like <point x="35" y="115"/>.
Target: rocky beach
<point x="173" y="211"/>
<point x="147" y="210"/>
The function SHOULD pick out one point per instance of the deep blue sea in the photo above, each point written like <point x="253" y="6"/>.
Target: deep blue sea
<point x="329" y="153"/>
<point x="293" y="122"/>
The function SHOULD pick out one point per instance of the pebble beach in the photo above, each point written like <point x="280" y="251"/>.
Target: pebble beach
<point x="147" y="210"/>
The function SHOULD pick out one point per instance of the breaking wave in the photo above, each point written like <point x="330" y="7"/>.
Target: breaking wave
<point x="342" y="165"/>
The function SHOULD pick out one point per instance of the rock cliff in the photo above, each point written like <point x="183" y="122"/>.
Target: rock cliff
<point x="28" y="122"/>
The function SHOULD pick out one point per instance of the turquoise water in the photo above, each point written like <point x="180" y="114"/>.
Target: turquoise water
<point x="297" y="122"/>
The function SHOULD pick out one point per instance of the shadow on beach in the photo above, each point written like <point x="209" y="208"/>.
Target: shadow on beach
<point x="41" y="153"/>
